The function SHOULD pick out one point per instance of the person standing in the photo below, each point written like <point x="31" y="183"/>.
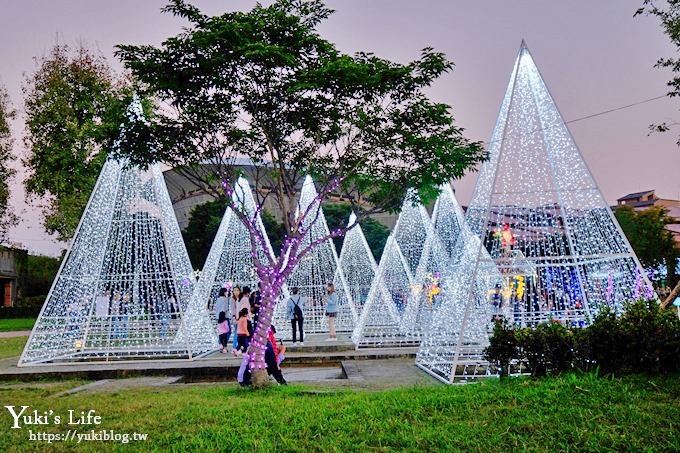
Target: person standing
<point x="173" y="307"/>
<point x="222" y="315"/>
<point x="116" y="319"/>
<point x="331" y="311"/>
<point x="273" y="356"/>
<point x="242" y="332"/>
<point x="255" y="302"/>
<point x="223" y="330"/>
<point x="125" y="310"/>
<point x="222" y="303"/>
<point x="234" y="300"/>
<point x="164" y="310"/>
<point x="102" y="303"/>
<point x="295" y="306"/>
<point x="244" y="304"/>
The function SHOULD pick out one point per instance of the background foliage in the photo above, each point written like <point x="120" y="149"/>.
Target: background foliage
<point x="668" y="13"/>
<point x="337" y="216"/>
<point x="293" y="104"/>
<point x="7" y="113"/>
<point x="205" y="220"/>
<point x="652" y="243"/>
<point x="74" y="106"/>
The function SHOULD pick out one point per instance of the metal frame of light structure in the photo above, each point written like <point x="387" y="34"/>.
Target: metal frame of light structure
<point x="391" y="291"/>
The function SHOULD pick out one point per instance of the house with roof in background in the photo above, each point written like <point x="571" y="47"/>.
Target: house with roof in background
<point x="647" y="199"/>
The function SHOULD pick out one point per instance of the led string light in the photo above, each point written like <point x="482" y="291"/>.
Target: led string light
<point x="543" y="223"/>
<point x="434" y="260"/>
<point x="448" y="218"/>
<point x="400" y="304"/>
<point x="470" y="278"/>
<point x="410" y="231"/>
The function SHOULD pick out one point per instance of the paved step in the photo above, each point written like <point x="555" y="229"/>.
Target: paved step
<point x="219" y="366"/>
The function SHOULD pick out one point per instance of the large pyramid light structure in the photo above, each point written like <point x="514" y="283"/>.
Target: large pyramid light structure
<point x="356" y="264"/>
<point x="391" y="291"/>
<point x="544" y="224"/>
<point x="314" y="271"/>
<point x="124" y="287"/>
<point x="230" y="262"/>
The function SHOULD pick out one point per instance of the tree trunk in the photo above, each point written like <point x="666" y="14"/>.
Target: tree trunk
<point x="258" y="343"/>
<point x="260" y="379"/>
<point x="671" y="297"/>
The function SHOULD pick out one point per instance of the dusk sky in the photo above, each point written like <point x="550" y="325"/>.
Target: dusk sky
<point x="593" y="55"/>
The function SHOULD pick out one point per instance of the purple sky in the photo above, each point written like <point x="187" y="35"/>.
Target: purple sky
<point x="594" y="56"/>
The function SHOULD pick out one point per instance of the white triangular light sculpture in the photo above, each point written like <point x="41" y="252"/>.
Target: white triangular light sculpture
<point x="230" y="262"/>
<point x="448" y="218"/>
<point x="410" y="232"/>
<point x="124" y="287"/>
<point x="314" y="271"/>
<point x="433" y="275"/>
<point x="390" y="294"/>
<point x="429" y="284"/>
<point x="356" y="264"/>
<point x="543" y="222"/>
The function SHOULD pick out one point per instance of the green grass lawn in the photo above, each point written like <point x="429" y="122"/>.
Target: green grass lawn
<point x="12" y="347"/>
<point x="571" y="413"/>
<point x="9" y="325"/>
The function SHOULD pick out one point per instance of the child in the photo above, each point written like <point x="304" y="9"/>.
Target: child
<point x="242" y="331"/>
<point x="279" y="349"/>
<point x="223" y="330"/>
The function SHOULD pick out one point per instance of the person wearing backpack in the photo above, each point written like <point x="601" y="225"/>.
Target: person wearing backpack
<point x="296" y="304"/>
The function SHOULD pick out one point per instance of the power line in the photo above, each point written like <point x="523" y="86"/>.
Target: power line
<point x="615" y="109"/>
<point x="604" y="112"/>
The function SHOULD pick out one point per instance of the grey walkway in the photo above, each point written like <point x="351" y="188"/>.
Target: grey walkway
<point x="15" y="333"/>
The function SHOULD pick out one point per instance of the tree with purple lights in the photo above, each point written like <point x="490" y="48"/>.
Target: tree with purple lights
<point x="263" y="86"/>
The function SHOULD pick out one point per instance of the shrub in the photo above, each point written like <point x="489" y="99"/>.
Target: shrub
<point x="19" y="312"/>
<point x="547" y="349"/>
<point x="603" y="342"/>
<point x="643" y="339"/>
<point x="33" y="301"/>
<point x="40" y="273"/>
<point x="502" y="349"/>
<point x="651" y="337"/>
